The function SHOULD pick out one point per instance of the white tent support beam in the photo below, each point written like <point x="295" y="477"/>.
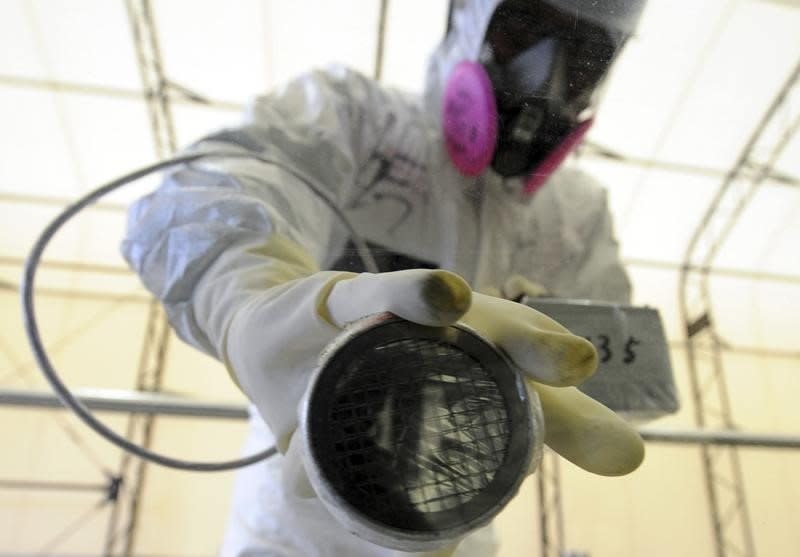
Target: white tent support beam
<point x="82" y="267"/>
<point x="40" y="485"/>
<point x="70" y="294"/>
<point x="178" y="94"/>
<point x="773" y="177"/>
<point x="746" y="350"/>
<point x="59" y="86"/>
<point x="77" y="266"/>
<point x="711" y="270"/>
<point x="722" y="470"/>
<point x="57" y="202"/>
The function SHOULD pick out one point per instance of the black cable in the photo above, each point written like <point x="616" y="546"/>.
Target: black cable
<point x="32" y="328"/>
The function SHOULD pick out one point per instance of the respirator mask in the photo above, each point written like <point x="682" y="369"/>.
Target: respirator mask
<point x="530" y="98"/>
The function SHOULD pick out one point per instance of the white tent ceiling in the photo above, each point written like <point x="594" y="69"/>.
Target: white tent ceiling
<point x="689" y="89"/>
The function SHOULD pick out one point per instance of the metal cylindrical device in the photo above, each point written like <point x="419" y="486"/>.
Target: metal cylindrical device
<point x="413" y="435"/>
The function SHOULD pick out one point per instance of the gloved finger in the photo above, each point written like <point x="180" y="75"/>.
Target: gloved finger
<point x="424" y="296"/>
<point x="293" y="473"/>
<point x="587" y="433"/>
<point x="539" y="346"/>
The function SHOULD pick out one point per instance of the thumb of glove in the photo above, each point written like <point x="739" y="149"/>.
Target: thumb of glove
<point x="427" y="297"/>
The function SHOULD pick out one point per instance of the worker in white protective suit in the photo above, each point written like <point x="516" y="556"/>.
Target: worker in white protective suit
<point x="455" y="200"/>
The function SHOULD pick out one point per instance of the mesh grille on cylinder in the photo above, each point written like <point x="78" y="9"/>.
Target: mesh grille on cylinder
<point x="414" y="433"/>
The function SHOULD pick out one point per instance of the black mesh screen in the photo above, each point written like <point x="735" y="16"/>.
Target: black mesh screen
<point x="412" y="433"/>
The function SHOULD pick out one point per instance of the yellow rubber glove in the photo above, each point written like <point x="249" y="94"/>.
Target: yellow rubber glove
<point x="553" y="360"/>
<point x="273" y="313"/>
<point x="273" y="316"/>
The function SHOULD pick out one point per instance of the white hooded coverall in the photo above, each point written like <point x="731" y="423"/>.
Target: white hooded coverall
<point x="380" y="155"/>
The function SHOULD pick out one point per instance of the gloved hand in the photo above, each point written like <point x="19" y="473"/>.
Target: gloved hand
<point x="283" y="314"/>
<point x="277" y="333"/>
<point x="274" y="319"/>
<point x="551" y="359"/>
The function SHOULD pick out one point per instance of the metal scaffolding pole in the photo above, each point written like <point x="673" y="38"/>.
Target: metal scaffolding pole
<point x="137" y="402"/>
<point x="551" y="512"/>
<point x="122" y="522"/>
<point x="39" y="485"/>
<point x="721" y="465"/>
<point x="381" y="39"/>
<point x="132" y="471"/>
<point x="127" y="402"/>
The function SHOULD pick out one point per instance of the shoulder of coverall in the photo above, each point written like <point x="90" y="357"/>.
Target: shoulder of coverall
<point x="305" y="98"/>
<point x="342" y="109"/>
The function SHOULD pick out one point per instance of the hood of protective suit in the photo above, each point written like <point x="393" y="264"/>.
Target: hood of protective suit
<point x="469" y="20"/>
